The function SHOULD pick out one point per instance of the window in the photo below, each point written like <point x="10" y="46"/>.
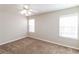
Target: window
<point x="32" y="25"/>
<point x="68" y="26"/>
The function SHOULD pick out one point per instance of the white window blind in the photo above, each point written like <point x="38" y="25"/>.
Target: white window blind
<point x="32" y="25"/>
<point x="68" y="26"/>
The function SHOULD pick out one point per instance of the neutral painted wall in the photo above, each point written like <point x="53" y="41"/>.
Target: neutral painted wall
<point x="47" y="27"/>
<point x="13" y="26"/>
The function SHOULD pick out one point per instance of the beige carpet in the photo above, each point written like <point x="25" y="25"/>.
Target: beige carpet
<point x="34" y="46"/>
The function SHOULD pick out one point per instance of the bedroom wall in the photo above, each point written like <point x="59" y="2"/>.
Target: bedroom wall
<point x="47" y="27"/>
<point x="13" y="26"/>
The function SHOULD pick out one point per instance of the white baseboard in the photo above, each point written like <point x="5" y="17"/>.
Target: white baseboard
<point x="54" y="42"/>
<point x="12" y="40"/>
<point x="40" y="39"/>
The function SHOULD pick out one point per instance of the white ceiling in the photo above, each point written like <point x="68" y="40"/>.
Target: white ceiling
<point x="43" y="8"/>
<point x="38" y="8"/>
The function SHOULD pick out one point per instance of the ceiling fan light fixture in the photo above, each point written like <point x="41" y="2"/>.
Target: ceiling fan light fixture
<point x="23" y="12"/>
<point x="26" y="6"/>
<point x="26" y="14"/>
<point x="30" y="13"/>
<point x="27" y="11"/>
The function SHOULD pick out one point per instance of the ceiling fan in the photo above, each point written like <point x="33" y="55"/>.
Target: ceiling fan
<point x="27" y="10"/>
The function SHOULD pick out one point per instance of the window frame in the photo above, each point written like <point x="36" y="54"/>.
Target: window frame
<point x="29" y="28"/>
<point x="76" y="14"/>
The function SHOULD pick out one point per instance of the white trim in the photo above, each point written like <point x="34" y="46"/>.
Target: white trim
<point x="54" y="42"/>
<point x="40" y="39"/>
<point x="13" y="40"/>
